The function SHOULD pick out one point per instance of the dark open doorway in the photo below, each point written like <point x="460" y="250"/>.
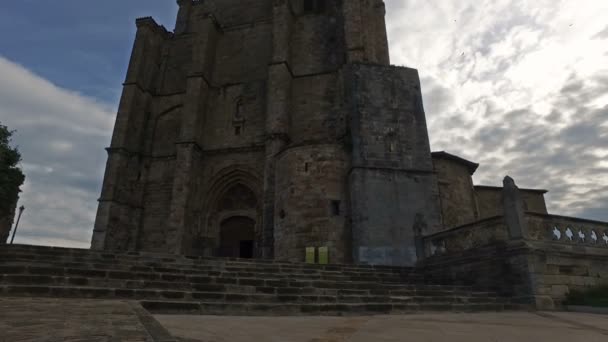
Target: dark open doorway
<point x="236" y="237"/>
<point x="246" y="249"/>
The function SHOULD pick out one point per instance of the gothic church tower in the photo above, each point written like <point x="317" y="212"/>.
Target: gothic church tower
<point x="261" y="127"/>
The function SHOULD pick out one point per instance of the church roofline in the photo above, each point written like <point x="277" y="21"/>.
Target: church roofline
<point x="444" y="155"/>
<point x="488" y="187"/>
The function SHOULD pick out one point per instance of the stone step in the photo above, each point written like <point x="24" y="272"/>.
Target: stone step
<point x="208" y="268"/>
<point x="312" y="309"/>
<point x="226" y="297"/>
<point x="84" y="254"/>
<point x="237" y="284"/>
<point x="56" y="266"/>
<point x="169" y="283"/>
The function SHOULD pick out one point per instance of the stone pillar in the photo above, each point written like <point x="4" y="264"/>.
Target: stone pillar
<point x="377" y="43"/>
<point x="117" y="215"/>
<point x="365" y="31"/>
<point x="277" y="116"/>
<point x="355" y="48"/>
<point x="189" y="145"/>
<point x="513" y="206"/>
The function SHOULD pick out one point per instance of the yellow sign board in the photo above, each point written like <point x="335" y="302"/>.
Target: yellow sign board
<point x="323" y="255"/>
<point x="310" y="255"/>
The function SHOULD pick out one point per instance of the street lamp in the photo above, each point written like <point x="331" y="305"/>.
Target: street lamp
<point x="21" y="209"/>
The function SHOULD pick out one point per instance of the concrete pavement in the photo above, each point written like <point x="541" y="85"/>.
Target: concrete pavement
<point x="482" y="327"/>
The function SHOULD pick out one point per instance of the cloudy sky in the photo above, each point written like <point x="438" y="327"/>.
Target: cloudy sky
<point x="518" y="86"/>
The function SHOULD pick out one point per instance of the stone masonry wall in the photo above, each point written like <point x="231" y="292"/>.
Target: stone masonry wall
<point x="393" y="190"/>
<point x="570" y="254"/>
<point x="557" y="270"/>
<point x="503" y="267"/>
<point x="458" y="206"/>
<point x="467" y="237"/>
<point x="242" y="54"/>
<point x="312" y="203"/>
<point x="230" y="13"/>
<point x="556" y="255"/>
<point x="489" y="201"/>
<point x="317" y="42"/>
<point x="235" y="116"/>
<point x="315" y="113"/>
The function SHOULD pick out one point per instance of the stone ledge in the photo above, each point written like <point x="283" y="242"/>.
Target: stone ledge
<point x="587" y="309"/>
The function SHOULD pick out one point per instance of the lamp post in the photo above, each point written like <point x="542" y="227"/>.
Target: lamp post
<point x="21" y="209"/>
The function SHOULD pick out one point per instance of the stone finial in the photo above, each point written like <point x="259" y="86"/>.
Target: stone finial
<point x="509" y="182"/>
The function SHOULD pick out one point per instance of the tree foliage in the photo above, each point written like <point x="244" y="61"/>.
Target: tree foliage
<point x="11" y="176"/>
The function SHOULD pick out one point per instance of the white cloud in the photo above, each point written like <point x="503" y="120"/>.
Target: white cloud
<point x="520" y="86"/>
<point x="517" y="85"/>
<point x="61" y="135"/>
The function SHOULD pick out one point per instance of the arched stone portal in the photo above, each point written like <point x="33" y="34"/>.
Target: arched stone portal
<point x="234" y="221"/>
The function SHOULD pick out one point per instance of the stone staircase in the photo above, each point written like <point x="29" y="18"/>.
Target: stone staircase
<point x="171" y="284"/>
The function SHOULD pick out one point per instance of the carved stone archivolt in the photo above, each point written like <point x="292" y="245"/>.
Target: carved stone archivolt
<point x="235" y="193"/>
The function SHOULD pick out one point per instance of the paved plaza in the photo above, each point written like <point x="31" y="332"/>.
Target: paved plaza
<point x="482" y="327"/>
<point x="77" y="320"/>
<point x="54" y="320"/>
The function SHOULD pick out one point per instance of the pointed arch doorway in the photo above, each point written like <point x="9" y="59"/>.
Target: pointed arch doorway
<point x="234" y="221"/>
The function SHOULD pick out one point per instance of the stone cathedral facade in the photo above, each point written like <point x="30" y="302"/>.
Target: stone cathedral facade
<point x="258" y="128"/>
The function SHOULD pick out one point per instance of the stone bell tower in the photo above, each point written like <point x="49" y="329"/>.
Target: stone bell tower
<point x="258" y="128"/>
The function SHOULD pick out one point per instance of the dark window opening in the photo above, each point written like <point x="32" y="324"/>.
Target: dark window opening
<point x="313" y="6"/>
<point x="237" y="130"/>
<point x="335" y="208"/>
<point x="309" y="5"/>
<point x="282" y="214"/>
<point x="238" y="111"/>
<point x="306" y="167"/>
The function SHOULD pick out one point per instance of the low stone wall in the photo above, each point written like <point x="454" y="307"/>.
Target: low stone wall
<point x="558" y="254"/>
<point x="482" y="255"/>
<point x="501" y="267"/>
<point x="470" y="236"/>
<point x="569" y="254"/>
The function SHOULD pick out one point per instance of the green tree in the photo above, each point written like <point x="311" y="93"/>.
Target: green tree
<point x="11" y="176"/>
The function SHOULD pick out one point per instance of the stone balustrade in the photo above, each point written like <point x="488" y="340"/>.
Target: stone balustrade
<point x="567" y="230"/>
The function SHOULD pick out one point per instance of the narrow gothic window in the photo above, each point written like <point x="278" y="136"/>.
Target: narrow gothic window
<point x="238" y="111"/>
<point x="237" y="130"/>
